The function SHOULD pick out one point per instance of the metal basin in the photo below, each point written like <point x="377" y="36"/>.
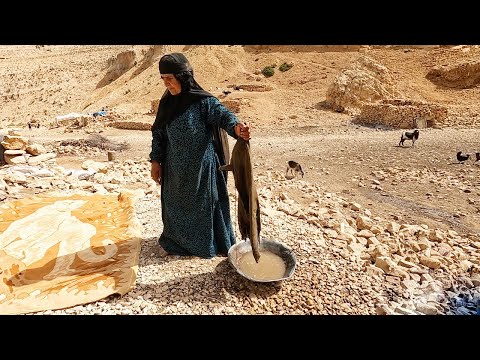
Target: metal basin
<point x="287" y="255"/>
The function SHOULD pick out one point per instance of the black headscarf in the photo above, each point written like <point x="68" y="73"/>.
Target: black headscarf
<point x="172" y="106"/>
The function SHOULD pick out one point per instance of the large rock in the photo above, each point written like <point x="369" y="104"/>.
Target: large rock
<point x="36" y="149"/>
<point x="13" y="142"/>
<point x="15" y="177"/>
<point x="95" y="165"/>
<point x="363" y="222"/>
<point x="364" y="81"/>
<point x="35" y="160"/>
<point x="14" y="152"/>
<point x="385" y="263"/>
<point x="462" y="75"/>
<point x="431" y="262"/>
<point x="15" y="159"/>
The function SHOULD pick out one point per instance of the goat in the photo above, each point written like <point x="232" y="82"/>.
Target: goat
<point x="477" y="155"/>
<point x="461" y="158"/>
<point x="295" y="168"/>
<point x="409" y="135"/>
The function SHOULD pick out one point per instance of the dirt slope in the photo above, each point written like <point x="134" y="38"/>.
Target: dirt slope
<point x="44" y="82"/>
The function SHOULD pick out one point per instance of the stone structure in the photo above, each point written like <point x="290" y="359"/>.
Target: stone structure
<point x="403" y="114"/>
<point x="131" y="125"/>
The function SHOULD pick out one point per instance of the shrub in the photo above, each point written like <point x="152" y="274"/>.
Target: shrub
<point x="268" y="71"/>
<point x="285" y="67"/>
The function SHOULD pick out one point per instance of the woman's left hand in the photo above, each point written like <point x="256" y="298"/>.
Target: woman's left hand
<point x="243" y="131"/>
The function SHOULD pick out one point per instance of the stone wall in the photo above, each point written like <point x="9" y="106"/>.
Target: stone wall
<point x="403" y="114"/>
<point x="253" y="87"/>
<point x="131" y="125"/>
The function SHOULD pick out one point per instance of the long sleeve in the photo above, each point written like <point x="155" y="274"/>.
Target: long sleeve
<point x="219" y="115"/>
<point x="159" y="145"/>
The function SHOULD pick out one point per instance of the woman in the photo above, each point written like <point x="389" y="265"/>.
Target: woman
<point x="186" y="153"/>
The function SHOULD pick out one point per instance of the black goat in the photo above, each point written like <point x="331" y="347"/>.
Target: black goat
<point x="461" y="158"/>
<point x="477" y="155"/>
<point x="409" y="135"/>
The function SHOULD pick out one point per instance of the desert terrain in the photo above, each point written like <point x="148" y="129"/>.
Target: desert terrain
<point x="377" y="228"/>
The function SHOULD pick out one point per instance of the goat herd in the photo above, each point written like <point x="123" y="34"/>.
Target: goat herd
<point x="294" y="168"/>
<point x="413" y="136"/>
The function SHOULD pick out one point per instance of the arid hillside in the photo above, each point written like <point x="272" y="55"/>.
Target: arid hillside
<point x="42" y="82"/>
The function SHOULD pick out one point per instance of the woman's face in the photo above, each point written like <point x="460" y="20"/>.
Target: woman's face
<point x="172" y="84"/>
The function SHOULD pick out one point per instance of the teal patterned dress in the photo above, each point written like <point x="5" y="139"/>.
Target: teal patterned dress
<point x="194" y="197"/>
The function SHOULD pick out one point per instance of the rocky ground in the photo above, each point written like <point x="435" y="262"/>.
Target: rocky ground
<point x="373" y="234"/>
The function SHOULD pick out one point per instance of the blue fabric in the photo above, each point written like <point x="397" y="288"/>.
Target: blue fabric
<point x="100" y="113"/>
<point x="195" y="205"/>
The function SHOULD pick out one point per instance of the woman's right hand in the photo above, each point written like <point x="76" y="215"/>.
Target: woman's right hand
<point x="156" y="172"/>
<point x="243" y="131"/>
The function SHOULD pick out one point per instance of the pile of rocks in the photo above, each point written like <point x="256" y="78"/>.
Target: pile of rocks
<point x="423" y="270"/>
<point x="17" y="149"/>
<point x="349" y="261"/>
<point x="101" y="177"/>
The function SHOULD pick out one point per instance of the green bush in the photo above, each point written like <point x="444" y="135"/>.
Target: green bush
<point x="284" y="67"/>
<point x="268" y="71"/>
